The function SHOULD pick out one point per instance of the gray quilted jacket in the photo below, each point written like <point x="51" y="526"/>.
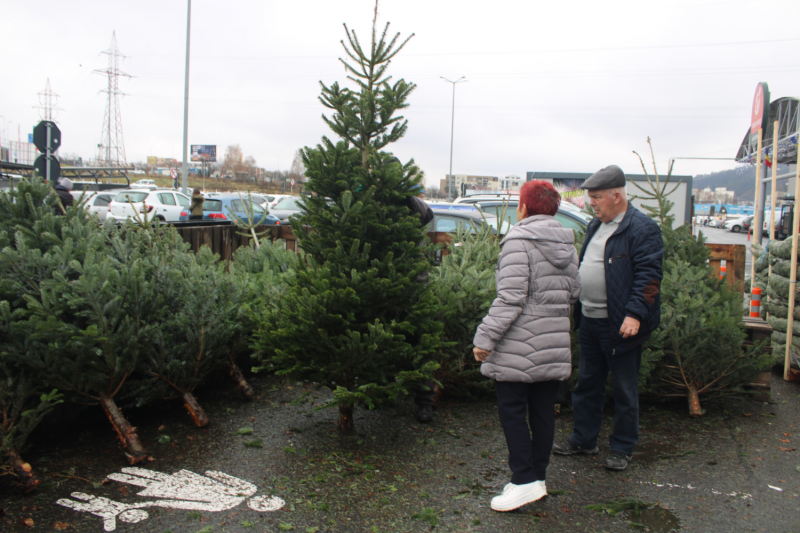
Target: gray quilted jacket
<point x="527" y="328"/>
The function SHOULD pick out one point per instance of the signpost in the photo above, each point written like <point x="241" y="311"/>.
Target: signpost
<point x="292" y="188"/>
<point x="47" y="138"/>
<point x="173" y="173"/>
<point x="758" y="119"/>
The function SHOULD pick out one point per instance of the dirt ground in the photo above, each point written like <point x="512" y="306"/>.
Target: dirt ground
<point x="735" y="469"/>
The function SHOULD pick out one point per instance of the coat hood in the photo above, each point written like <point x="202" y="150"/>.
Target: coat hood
<point x="556" y="243"/>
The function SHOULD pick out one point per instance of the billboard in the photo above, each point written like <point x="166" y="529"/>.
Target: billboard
<point x="204" y="152"/>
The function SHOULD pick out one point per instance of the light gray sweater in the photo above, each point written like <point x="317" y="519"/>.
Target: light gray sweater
<point x="527" y="328"/>
<point x="594" y="300"/>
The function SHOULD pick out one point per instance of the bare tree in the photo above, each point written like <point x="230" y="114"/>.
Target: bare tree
<point x="234" y="160"/>
<point x="432" y="192"/>
<point x="298" y="169"/>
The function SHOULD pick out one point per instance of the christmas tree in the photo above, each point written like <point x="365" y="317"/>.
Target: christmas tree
<point x="355" y="318"/>
<point x="698" y="348"/>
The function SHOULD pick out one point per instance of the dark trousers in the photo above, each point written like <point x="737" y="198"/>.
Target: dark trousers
<point x="425" y="393"/>
<point x="596" y="361"/>
<point x="528" y="456"/>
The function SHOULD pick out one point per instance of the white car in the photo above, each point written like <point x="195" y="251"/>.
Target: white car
<point x="145" y="184"/>
<point x="95" y="201"/>
<point x="163" y="204"/>
<point x="275" y="198"/>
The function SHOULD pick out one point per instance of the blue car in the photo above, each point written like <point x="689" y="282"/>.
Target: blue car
<point x="220" y="207"/>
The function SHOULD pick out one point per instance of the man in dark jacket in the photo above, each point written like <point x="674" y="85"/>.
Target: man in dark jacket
<point x="620" y="268"/>
<point x="62" y="190"/>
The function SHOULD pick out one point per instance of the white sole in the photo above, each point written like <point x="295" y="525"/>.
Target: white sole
<point x="523" y="504"/>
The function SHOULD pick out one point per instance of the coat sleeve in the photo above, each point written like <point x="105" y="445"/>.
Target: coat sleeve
<point x="513" y="272"/>
<point x="576" y="281"/>
<point x="646" y="256"/>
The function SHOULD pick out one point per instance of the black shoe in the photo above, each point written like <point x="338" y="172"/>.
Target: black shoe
<point x="617" y="461"/>
<point x="567" y="448"/>
<point x="424" y="414"/>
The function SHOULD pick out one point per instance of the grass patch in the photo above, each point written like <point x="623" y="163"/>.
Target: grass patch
<point x="428" y="515"/>
<point x="244" y="431"/>
<point x="258" y="443"/>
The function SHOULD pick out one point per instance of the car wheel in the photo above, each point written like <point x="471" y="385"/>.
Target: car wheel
<point x="736" y="229"/>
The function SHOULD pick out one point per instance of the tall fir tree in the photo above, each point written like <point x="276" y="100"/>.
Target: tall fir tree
<point x="357" y="316"/>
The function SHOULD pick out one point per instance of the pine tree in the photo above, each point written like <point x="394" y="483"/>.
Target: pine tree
<point x="191" y="340"/>
<point x="24" y="399"/>
<point x="698" y="348"/>
<point x="355" y="318"/>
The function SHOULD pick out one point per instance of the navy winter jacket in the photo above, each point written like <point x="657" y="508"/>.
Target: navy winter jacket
<point x="633" y="276"/>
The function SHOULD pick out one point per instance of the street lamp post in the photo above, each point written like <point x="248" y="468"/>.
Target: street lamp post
<point x="185" y="164"/>
<point x="452" y="129"/>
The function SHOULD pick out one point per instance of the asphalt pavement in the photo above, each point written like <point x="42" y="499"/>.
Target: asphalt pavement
<point x="734" y="469"/>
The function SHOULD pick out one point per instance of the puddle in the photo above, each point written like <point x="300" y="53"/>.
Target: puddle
<point x="655" y="451"/>
<point x="655" y="520"/>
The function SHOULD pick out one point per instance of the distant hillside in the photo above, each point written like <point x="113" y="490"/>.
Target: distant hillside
<point x="742" y="180"/>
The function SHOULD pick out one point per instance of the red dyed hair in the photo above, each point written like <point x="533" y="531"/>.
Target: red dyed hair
<point x="540" y="198"/>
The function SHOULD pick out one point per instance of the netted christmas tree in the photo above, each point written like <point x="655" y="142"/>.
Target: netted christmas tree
<point x="357" y="316"/>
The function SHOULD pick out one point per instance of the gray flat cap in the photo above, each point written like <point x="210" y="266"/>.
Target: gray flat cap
<point x="610" y="177"/>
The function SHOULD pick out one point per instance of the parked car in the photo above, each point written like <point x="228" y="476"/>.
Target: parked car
<point x="571" y="218"/>
<point x="163" y="204"/>
<point x="448" y="220"/>
<point x="286" y="207"/>
<point x="739" y="224"/>
<point x="453" y="207"/>
<point x="94" y="201"/>
<point x="275" y="198"/>
<point x="144" y="184"/>
<point x="220" y="206"/>
<point x="479" y="197"/>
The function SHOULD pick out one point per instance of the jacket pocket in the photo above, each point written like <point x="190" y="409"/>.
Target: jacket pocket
<point x="620" y="256"/>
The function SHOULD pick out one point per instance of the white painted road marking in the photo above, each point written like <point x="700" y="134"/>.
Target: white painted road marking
<point x="216" y="491"/>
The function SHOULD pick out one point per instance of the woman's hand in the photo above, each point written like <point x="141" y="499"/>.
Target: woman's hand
<point x="480" y="355"/>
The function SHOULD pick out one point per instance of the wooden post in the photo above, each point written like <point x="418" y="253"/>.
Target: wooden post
<point x="773" y="200"/>
<point x="793" y="273"/>
<point x="757" y="222"/>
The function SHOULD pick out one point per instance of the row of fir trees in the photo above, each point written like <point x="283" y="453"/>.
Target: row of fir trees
<point x="125" y="315"/>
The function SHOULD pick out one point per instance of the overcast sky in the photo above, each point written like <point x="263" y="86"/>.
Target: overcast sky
<point x="568" y="86"/>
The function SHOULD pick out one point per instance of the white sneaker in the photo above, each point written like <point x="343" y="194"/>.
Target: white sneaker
<point x="515" y="496"/>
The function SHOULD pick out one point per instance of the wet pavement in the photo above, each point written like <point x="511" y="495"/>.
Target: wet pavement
<point x="735" y="469"/>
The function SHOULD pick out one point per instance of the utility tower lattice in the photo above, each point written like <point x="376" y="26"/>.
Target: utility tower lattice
<point x="111" y="148"/>
<point x="47" y="103"/>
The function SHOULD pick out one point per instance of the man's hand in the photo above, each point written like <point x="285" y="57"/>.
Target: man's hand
<point x="630" y="327"/>
<point x="480" y="355"/>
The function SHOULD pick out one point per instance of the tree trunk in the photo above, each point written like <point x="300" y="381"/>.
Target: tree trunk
<point x="134" y="450"/>
<point x="694" y="401"/>
<point x="195" y="411"/>
<point x="241" y="384"/>
<point x="346" y="417"/>
<point x="23" y="471"/>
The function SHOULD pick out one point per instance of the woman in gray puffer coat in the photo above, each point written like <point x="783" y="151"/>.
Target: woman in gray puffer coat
<point x="524" y="342"/>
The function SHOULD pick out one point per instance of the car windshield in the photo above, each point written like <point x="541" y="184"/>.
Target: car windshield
<point x="212" y="205"/>
<point x="129" y="196"/>
<point x="289" y="203"/>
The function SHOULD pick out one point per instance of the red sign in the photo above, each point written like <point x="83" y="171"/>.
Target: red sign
<point x="760" y="111"/>
<point x="173" y="173"/>
<point x="292" y="182"/>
